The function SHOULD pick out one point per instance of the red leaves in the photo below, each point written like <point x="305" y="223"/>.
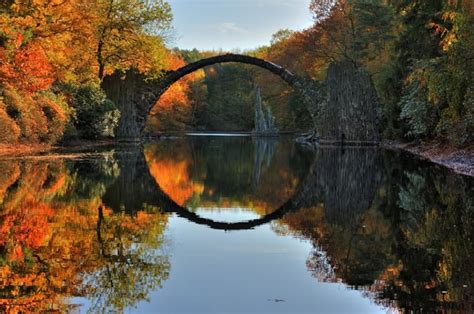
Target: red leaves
<point x="25" y="67"/>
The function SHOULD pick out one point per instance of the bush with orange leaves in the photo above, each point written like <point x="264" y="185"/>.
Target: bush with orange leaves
<point x="40" y="117"/>
<point x="173" y="111"/>
<point x="28" y="111"/>
<point x="9" y="130"/>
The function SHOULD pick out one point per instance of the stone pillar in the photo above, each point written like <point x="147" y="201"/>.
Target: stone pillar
<point x="132" y="95"/>
<point x="352" y="111"/>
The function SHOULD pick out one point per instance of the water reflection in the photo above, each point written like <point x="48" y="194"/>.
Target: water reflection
<point x="398" y="227"/>
<point x="94" y="228"/>
<point x="234" y="172"/>
<point x="57" y="239"/>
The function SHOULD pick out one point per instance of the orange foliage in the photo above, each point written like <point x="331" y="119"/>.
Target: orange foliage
<point x="173" y="178"/>
<point x="9" y="130"/>
<point x="49" y="246"/>
<point x="177" y="94"/>
<point x="38" y="118"/>
<point x="175" y="62"/>
<point x="25" y="67"/>
<point x="27" y="227"/>
<point x="25" y="113"/>
<point x="56" y="117"/>
<point x="29" y="117"/>
<point x="9" y="174"/>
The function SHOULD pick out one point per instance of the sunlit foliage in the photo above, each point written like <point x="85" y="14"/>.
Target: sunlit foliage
<point x="48" y="46"/>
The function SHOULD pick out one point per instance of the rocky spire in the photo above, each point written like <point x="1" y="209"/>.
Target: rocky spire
<point x="264" y="120"/>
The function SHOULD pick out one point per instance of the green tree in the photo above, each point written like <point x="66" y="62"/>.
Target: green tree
<point x="95" y="115"/>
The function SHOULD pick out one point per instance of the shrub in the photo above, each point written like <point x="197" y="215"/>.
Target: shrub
<point x="417" y="112"/>
<point x="95" y="115"/>
<point x="457" y="127"/>
<point x="28" y="115"/>
<point x="9" y="130"/>
<point x="53" y="108"/>
<point x="40" y="117"/>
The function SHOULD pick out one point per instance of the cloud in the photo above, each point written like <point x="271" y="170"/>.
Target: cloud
<point x="230" y="27"/>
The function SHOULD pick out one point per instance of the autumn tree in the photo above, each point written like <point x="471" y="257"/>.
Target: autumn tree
<point x="127" y="31"/>
<point x="174" y="109"/>
<point x="351" y="30"/>
<point x="25" y="65"/>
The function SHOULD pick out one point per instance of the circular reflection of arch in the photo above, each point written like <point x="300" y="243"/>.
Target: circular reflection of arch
<point x="135" y="187"/>
<point x="168" y="205"/>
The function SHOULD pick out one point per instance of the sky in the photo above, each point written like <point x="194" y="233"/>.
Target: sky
<point x="234" y="24"/>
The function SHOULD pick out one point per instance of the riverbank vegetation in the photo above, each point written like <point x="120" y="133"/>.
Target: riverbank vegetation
<point x="54" y="55"/>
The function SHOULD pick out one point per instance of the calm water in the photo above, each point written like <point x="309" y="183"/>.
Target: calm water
<point x="234" y="224"/>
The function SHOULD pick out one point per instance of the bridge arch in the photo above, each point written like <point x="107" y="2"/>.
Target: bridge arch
<point x="135" y="96"/>
<point x="173" y="76"/>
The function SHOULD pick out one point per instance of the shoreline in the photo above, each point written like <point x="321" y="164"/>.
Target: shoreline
<point x="34" y="150"/>
<point x="459" y="160"/>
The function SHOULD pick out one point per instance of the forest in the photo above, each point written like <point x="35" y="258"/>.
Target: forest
<point x="54" y="55"/>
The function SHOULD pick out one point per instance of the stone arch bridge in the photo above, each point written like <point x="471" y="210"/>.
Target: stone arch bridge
<point x="135" y="96"/>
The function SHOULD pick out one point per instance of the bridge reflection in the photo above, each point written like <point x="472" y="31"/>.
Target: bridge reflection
<point x="136" y="188"/>
<point x="344" y="181"/>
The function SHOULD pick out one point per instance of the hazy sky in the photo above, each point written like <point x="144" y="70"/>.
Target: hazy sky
<point x="230" y="24"/>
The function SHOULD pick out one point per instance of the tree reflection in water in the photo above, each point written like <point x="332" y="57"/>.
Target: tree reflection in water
<point x="55" y="243"/>
<point x="396" y="228"/>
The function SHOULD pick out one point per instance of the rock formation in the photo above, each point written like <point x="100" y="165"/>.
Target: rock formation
<point x="350" y="112"/>
<point x="264" y="120"/>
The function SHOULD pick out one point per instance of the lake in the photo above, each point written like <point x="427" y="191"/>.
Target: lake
<point x="234" y="224"/>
